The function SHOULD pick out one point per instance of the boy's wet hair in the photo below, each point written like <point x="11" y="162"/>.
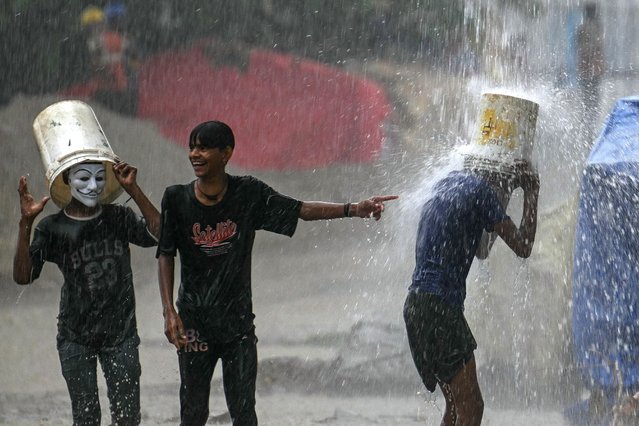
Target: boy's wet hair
<point x="212" y="134"/>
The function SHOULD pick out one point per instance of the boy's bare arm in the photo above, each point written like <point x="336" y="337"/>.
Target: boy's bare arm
<point x="29" y="210"/>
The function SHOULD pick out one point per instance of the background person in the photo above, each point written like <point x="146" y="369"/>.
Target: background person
<point x="92" y="20"/>
<point x="113" y="57"/>
<point x="590" y="60"/>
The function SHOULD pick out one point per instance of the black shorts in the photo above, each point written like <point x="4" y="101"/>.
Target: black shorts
<point x="440" y="340"/>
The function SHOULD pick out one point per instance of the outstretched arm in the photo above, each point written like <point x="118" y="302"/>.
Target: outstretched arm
<point x="126" y="174"/>
<point x="372" y="207"/>
<point x="29" y="210"/>
<point x="173" y="327"/>
<point x="521" y="239"/>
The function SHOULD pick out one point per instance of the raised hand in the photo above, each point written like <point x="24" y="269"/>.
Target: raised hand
<point x="527" y="178"/>
<point x="126" y="174"/>
<point x="29" y="207"/>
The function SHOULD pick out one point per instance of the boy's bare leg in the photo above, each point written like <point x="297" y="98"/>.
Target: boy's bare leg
<point x="464" y="403"/>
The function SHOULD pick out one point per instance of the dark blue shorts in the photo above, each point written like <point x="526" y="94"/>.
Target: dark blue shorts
<point x="439" y="337"/>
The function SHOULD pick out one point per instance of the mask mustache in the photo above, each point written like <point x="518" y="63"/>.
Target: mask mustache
<point x="90" y="193"/>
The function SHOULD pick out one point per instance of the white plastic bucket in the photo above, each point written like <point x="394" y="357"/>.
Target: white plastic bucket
<point x="68" y="133"/>
<point x="504" y="133"/>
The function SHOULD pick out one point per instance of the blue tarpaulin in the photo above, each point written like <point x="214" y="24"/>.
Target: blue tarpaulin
<point x="605" y="312"/>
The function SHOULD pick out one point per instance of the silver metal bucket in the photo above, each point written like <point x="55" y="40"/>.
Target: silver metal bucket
<point x="68" y="133"/>
<point x="504" y="133"/>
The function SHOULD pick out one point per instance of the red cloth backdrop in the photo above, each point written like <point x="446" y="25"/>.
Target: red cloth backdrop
<point x="286" y="112"/>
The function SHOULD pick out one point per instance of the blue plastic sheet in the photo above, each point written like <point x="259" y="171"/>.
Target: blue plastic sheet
<point x="605" y="309"/>
<point x="619" y="139"/>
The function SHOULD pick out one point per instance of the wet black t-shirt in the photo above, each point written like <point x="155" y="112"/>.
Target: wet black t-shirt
<point x="215" y="244"/>
<point x="97" y="303"/>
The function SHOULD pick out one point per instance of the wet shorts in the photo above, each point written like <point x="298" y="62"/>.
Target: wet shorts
<point x="440" y="340"/>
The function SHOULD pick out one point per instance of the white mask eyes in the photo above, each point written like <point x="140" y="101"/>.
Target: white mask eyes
<point x="87" y="181"/>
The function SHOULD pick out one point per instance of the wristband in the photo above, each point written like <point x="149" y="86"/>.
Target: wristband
<point x="347" y="208"/>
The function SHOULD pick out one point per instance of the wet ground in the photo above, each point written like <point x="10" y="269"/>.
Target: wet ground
<point x="297" y="381"/>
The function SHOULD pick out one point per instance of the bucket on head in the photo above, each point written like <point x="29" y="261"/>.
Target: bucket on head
<point x="68" y="133"/>
<point x="504" y="133"/>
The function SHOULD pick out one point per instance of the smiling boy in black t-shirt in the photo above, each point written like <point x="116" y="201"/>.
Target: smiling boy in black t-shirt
<point x="211" y="222"/>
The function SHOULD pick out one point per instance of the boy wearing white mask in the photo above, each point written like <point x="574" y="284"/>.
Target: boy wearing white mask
<point x="90" y="244"/>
